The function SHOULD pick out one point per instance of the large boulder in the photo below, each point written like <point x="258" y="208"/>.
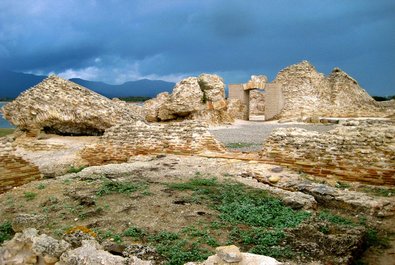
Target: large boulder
<point x="152" y="106"/>
<point x="195" y="98"/>
<point x="60" y="106"/>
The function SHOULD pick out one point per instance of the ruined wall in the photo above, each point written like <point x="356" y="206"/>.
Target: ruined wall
<point x="236" y="91"/>
<point x="125" y="140"/>
<point x="274" y="101"/>
<point x="14" y="170"/>
<point x="309" y="93"/>
<point x="356" y="151"/>
<point x="60" y="106"/>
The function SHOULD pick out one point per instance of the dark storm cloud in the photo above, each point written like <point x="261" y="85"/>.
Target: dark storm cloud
<point x="119" y="40"/>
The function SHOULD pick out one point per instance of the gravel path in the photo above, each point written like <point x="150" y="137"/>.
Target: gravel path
<point x="249" y="135"/>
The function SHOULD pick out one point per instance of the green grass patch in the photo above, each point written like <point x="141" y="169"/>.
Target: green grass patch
<point x="6" y="131"/>
<point x="335" y="219"/>
<point x="6" y="231"/>
<point x="253" y="220"/>
<point x="73" y="169"/>
<point x="124" y="187"/>
<point x="29" y="196"/>
<point x="378" y="191"/>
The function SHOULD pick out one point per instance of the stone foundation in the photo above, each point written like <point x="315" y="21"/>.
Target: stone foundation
<point x="121" y="142"/>
<point x="361" y="151"/>
<point x="14" y="170"/>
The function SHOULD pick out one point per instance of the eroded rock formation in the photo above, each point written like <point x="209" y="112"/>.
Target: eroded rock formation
<point x="309" y="93"/>
<point x="60" y="106"/>
<point x="194" y="98"/>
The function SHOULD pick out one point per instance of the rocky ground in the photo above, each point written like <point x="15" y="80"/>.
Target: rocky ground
<point x="185" y="206"/>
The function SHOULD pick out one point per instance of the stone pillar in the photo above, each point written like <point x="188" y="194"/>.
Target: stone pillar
<point x="274" y="100"/>
<point x="236" y="91"/>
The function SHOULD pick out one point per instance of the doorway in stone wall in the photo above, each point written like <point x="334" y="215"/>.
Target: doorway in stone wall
<point x="257" y="105"/>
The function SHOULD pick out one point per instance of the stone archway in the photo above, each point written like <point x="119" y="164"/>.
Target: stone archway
<point x="274" y="99"/>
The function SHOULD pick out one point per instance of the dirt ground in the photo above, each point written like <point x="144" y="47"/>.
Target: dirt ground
<point x="150" y="204"/>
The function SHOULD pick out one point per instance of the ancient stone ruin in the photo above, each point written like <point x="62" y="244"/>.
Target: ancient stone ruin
<point x="121" y="142"/>
<point x="360" y="151"/>
<point x="194" y="98"/>
<point x="299" y="92"/>
<point x="60" y="106"/>
<point x="14" y="169"/>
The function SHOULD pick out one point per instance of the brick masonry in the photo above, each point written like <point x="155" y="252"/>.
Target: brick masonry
<point x="122" y="141"/>
<point x="361" y="151"/>
<point x="14" y="170"/>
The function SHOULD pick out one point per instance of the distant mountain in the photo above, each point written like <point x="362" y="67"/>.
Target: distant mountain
<point x="141" y="88"/>
<point x="12" y="84"/>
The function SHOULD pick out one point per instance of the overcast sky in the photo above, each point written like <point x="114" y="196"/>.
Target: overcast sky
<point x="121" y="40"/>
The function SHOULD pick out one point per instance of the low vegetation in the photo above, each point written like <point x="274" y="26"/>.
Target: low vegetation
<point x="225" y="213"/>
<point x="6" y="131"/>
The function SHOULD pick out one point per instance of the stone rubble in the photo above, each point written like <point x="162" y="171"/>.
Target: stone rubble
<point x="29" y="248"/>
<point x="194" y="98"/>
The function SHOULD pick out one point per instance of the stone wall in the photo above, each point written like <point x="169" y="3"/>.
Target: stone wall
<point x="361" y="151"/>
<point x="125" y="140"/>
<point x="14" y="170"/>
<point x="309" y="93"/>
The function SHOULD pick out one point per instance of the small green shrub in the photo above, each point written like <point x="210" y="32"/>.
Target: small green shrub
<point x="374" y="239"/>
<point x="73" y="169"/>
<point x="134" y="232"/>
<point x="335" y="219"/>
<point x="110" y="187"/>
<point x="29" y="196"/>
<point x="41" y="186"/>
<point x="6" y="231"/>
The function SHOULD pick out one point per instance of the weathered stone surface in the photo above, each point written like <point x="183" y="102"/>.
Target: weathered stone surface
<point x="257" y="102"/>
<point x="14" y="169"/>
<point x="196" y="98"/>
<point x="361" y="151"/>
<point x="29" y="247"/>
<point x="49" y="248"/>
<point x="186" y="98"/>
<point x="338" y="247"/>
<point x="151" y="107"/>
<point x="125" y="140"/>
<point x="60" y="106"/>
<point x="256" y="82"/>
<point x="212" y="86"/>
<point x="23" y="221"/>
<point x="231" y="255"/>
<point x="236" y="108"/>
<point x="90" y="253"/>
<point x="309" y="93"/>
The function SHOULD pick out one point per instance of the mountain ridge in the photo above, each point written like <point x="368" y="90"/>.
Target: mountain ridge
<point x="14" y="83"/>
